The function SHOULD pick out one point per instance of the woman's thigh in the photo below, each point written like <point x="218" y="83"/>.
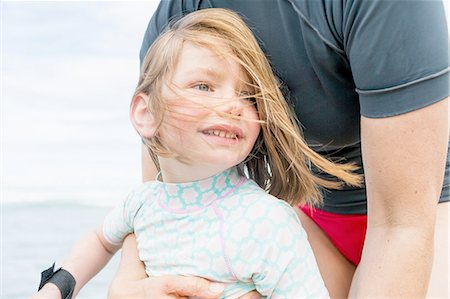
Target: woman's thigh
<point x="337" y="272"/>
<point x="439" y="282"/>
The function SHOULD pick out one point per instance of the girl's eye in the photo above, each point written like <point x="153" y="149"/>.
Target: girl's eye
<point x="202" y="87"/>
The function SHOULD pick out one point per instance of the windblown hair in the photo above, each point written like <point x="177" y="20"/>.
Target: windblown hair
<point x="280" y="161"/>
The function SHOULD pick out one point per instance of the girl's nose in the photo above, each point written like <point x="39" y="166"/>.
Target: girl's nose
<point x="233" y="106"/>
<point x="233" y="103"/>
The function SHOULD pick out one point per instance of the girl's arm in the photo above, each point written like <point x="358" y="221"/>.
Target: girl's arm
<point x="404" y="159"/>
<point x="88" y="257"/>
<point x="85" y="260"/>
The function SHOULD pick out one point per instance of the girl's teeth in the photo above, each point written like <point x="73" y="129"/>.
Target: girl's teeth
<point x="221" y="134"/>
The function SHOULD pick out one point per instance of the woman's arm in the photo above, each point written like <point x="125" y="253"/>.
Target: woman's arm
<point x="131" y="270"/>
<point x="404" y="159"/>
<point x="439" y="286"/>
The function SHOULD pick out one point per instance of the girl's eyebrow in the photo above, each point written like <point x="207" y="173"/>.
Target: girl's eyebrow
<point x="209" y="72"/>
<point x="206" y="71"/>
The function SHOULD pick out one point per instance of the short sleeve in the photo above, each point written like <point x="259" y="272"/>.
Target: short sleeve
<point x="119" y="222"/>
<point x="398" y="54"/>
<point x="287" y="267"/>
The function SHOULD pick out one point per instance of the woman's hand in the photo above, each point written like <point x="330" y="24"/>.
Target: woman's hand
<point x="132" y="281"/>
<point x="166" y="287"/>
<point x="251" y="295"/>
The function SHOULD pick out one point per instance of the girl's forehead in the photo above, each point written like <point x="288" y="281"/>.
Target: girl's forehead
<point x="219" y="50"/>
<point x="214" y="60"/>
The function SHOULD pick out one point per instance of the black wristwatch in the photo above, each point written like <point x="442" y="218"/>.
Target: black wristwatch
<point x="61" y="278"/>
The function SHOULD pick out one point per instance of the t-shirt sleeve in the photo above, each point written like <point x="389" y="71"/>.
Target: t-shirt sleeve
<point x="119" y="222"/>
<point x="287" y="267"/>
<point x="398" y="54"/>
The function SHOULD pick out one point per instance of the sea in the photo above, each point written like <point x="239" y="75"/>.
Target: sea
<point x="34" y="235"/>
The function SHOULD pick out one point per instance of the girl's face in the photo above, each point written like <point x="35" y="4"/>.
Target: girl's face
<point x="205" y="90"/>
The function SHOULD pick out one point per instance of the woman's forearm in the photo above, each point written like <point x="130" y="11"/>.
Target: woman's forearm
<point x="438" y="287"/>
<point x="396" y="262"/>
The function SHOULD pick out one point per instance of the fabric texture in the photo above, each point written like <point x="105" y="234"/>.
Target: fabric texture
<point x="224" y="228"/>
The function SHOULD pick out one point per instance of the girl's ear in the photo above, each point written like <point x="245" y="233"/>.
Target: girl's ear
<point x="141" y="118"/>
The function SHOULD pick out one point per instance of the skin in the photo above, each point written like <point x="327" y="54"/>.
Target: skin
<point x="204" y="91"/>
<point x="404" y="158"/>
<point x="439" y="286"/>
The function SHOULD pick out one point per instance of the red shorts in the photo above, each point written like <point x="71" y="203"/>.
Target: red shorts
<point x="346" y="232"/>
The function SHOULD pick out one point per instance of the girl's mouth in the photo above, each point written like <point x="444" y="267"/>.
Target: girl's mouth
<point x="225" y="134"/>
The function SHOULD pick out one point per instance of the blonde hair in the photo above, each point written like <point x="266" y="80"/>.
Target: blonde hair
<point x="280" y="161"/>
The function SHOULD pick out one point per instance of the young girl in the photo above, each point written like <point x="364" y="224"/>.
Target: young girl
<point x="210" y="111"/>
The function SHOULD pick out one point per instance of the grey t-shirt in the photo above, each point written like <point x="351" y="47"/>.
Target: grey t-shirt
<point x="341" y="59"/>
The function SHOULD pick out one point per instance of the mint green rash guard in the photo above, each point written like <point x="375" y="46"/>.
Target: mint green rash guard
<point x="224" y="228"/>
<point x="340" y="60"/>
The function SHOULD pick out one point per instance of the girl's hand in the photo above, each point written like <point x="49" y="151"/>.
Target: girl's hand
<point x="132" y="281"/>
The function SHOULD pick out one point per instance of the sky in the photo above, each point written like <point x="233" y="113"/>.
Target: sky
<point x="68" y="73"/>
